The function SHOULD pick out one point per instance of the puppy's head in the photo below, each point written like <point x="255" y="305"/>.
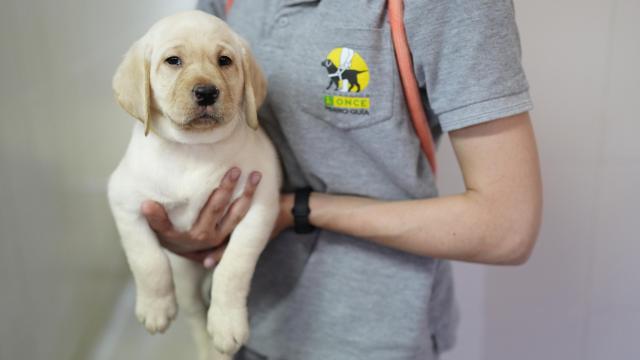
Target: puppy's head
<point x="190" y="76"/>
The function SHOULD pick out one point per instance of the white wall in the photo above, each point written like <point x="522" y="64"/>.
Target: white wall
<point x="578" y="297"/>
<point x="61" y="267"/>
<point x="61" y="134"/>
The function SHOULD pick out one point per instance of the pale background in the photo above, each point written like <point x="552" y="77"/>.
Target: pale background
<point x="62" y="270"/>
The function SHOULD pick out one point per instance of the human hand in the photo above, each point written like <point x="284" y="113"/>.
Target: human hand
<point x="206" y="240"/>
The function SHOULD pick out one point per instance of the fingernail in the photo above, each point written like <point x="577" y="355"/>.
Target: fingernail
<point x="234" y="174"/>
<point x="255" y="178"/>
<point x="209" y="263"/>
<point x="147" y="207"/>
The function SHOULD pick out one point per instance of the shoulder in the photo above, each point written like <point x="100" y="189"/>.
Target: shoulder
<point x="215" y="7"/>
<point x="447" y="16"/>
<point x="467" y="55"/>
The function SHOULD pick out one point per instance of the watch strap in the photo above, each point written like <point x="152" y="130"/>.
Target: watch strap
<point x="301" y="211"/>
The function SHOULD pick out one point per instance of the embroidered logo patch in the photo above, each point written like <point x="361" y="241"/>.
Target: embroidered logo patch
<point x="348" y="77"/>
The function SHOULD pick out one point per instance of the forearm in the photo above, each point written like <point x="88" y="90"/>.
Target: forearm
<point x="460" y="227"/>
<point x="454" y="227"/>
<point x="496" y="220"/>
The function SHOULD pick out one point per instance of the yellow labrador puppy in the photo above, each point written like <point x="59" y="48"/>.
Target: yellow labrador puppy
<point x="195" y="87"/>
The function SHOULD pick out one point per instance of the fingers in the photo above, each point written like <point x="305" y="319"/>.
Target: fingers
<point x="213" y="210"/>
<point x="214" y="257"/>
<point x="205" y="242"/>
<point x="208" y="258"/>
<point x="174" y="246"/>
<point x="171" y="239"/>
<point x="197" y="256"/>
<point x="157" y="218"/>
<point x="240" y="206"/>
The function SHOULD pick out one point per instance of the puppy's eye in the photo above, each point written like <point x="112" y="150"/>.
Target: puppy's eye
<point x="173" y="60"/>
<point x="224" y="61"/>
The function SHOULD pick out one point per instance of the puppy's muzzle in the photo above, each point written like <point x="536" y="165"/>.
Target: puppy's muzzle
<point x="205" y="95"/>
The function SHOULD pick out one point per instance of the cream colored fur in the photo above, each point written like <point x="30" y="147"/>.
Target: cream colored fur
<point x="184" y="156"/>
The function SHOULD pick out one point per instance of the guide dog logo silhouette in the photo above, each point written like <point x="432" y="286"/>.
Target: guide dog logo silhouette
<point x="351" y="73"/>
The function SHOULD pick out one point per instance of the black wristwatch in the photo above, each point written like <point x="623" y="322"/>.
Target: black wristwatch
<point x="301" y="211"/>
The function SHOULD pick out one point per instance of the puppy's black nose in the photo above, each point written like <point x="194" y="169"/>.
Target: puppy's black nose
<point x="206" y="94"/>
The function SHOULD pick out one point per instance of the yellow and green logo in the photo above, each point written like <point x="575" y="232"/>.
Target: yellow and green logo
<point x="347" y="102"/>
<point x="348" y="75"/>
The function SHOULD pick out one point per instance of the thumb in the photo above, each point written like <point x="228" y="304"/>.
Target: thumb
<point x="157" y="217"/>
<point x="214" y="257"/>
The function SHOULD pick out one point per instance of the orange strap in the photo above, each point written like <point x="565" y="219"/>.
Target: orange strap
<point x="228" y="6"/>
<point x="395" y="12"/>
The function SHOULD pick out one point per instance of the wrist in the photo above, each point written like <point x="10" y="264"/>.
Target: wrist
<point x="286" y="204"/>
<point x="317" y="204"/>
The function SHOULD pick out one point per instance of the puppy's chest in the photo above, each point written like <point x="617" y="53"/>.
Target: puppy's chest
<point x="183" y="193"/>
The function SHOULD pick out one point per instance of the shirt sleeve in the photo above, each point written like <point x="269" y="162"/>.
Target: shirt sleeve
<point x="467" y="56"/>
<point x="215" y="7"/>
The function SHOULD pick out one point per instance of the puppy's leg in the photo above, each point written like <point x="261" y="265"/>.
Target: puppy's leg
<point x="217" y="355"/>
<point x="155" y="298"/>
<point x="188" y="277"/>
<point x="228" y="319"/>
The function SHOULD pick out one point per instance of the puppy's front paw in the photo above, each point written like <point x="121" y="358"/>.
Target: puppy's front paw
<point x="216" y="355"/>
<point x="229" y="328"/>
<point x="156" y="312"/>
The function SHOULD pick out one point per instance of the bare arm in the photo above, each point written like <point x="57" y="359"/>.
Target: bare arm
<point x="495" y="221"/>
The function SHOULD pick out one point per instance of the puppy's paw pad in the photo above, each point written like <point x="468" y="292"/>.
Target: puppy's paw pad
<point x="229" y="328"/>
<point x="156" y="313"/>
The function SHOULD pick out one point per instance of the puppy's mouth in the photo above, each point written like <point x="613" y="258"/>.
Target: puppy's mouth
<point x="203" y="121"/>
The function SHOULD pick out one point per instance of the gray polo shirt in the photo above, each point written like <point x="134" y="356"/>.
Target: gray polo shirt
<point x="336" y="112"/>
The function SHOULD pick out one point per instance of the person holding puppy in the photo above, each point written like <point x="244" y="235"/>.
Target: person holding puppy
<point x="362" y="271"/>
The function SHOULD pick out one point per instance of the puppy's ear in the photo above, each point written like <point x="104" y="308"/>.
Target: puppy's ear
<point x="131" y="84"/>
<point x="255" y="86"/>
